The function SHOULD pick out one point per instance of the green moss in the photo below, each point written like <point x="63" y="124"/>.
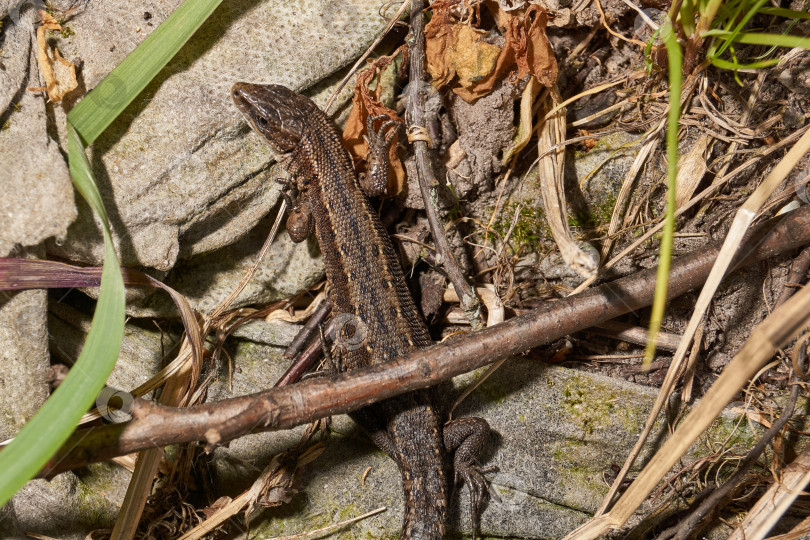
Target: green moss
<point x="597" y="217"/>
<point x="531" y="229"/>
<point x="593" y="406"/>
<point x="571" y="457"/>
<point x="582" y="220"/>
<point x="92" y="506"/>
<point x="605" y="210"/>
<point x="100" y="477"/>
<point x="67" y="32"/>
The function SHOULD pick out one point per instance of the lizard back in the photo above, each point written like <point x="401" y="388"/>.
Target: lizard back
<point x="366" y="286"/>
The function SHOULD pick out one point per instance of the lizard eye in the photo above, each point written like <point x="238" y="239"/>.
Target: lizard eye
<point x="262" y="120"/>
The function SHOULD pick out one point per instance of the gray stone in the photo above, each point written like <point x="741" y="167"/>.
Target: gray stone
<point x="180" y="172"/>
<point x="555" y="433"/>
<point x="62" y="508"/>
<point x="605" y="166"/>
<point x="37" y="200"/>
<point x="277" y="333"/>
<point x="24" y="358"/>
<point x="207" y="279"/>
<point x="143" y="351"/>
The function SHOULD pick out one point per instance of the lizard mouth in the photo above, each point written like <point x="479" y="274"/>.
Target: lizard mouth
<point x="273" y="111"/>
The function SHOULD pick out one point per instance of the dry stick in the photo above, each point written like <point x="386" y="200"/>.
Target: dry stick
<point x="301" y="338"/>
<point x="794" y="278"/>
<point x="781" y="326"/>
<point x="687" y="527"/>
<point x="635" y="334"/>
<point x="307" y="358"/>
<point x="281" y="408"/>
<point x="428" y="185"/>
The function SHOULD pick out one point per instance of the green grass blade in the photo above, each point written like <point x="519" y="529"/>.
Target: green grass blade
<point x="54" y="422"/>
<point x="754" y="38"/>
<point x="39" y="439"/>
<point x="106" y="101"/>
<point x="787" y="13"/>
<point x="739" y="23"/>
<point x="675" y="61"/>
<point x="733" y="66"/>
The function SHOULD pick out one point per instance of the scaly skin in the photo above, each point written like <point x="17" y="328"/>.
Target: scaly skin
<point x="368" y="290"/>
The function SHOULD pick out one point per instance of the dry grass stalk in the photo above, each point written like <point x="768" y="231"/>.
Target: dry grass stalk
<point x="579" y="256"/>
<point x="776" y="500"/>
<point x="781" y="326"/>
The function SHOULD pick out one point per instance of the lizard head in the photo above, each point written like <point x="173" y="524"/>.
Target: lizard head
<point x="276" y="112"/>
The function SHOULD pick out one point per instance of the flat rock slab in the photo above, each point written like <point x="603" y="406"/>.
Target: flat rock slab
<point x="556" y="432"/>
<point x="180" y="172"/>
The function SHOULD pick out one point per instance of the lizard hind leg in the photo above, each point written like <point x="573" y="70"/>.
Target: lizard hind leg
<point x="465" y="437"/>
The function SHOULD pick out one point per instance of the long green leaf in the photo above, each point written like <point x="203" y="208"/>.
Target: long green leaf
<point x="787" y="13"/>
<point x="39" y="439"/>
<point x="675" y="58"/>
<point x="54" y="422"/>
<point x="733" y="66"/>
<point x="106" y="101"/>
<point x="753" y="38"/>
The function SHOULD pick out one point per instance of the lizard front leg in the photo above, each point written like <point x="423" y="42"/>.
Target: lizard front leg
<point x="374" y="181"/>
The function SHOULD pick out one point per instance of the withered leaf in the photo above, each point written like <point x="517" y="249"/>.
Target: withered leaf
<point x="527" y="51"/>
<point x="365" y="103"/>
<point x="59" y="74"/>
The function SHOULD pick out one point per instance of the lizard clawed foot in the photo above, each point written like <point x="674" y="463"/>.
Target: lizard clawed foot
<point x="300" y="223"/>
<point x="375" y="180"/>
<point x="466" y="436"/>
<point x="473" y="477"/>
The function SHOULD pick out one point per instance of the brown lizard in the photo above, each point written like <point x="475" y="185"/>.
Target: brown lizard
<point x="367" y="288"/>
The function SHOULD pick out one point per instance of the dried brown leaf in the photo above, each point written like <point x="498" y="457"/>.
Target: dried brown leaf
<point x="59" y="74"/>
<point x="366" y="102"/>
<point x="462" y="60"/>
<point x="439" y="38"/>
<point x="472" y="58"/>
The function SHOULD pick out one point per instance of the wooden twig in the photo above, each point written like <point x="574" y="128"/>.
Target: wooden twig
<point x="153" y="425"/>
<point x="428" y="185"/>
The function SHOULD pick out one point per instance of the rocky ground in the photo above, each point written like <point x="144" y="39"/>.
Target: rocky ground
<point x="191" y="195"/>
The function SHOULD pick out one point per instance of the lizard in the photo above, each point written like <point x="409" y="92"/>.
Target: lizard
<point x="367" y="287"/>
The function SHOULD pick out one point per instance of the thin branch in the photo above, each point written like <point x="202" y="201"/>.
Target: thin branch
<point x="153" y="425"/>
<point x="428" y="185"/>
